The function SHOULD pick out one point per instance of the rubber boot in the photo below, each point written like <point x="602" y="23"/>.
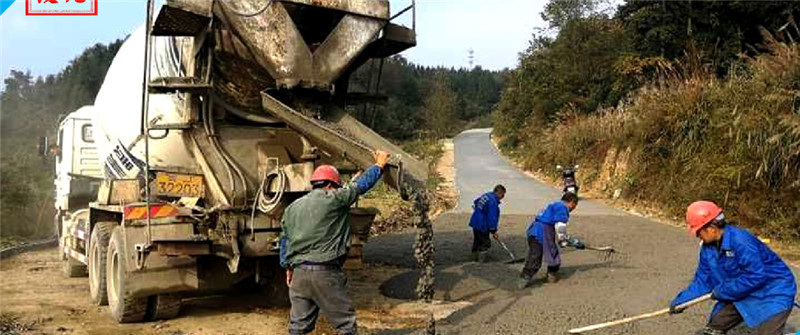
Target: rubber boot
<point x="710" y="331"/>
<point x="524" y="282"/>
<point x="482" y="256"/>
<point x="553" y="277"/>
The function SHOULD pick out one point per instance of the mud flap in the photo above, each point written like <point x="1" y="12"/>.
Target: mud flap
<point x="233" y="263"/>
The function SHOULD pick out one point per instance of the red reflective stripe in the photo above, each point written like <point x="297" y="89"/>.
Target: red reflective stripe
<point x="156" y="211"/>
<point x="166" y="211"/>
<point x="132" y="213"/>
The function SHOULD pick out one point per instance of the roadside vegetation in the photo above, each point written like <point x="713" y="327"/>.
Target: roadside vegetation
<point x="29" y="108"/>
<point x="694" y="100"/>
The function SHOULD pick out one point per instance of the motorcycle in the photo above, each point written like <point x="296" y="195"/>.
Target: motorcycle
<point x="568" y="177"/>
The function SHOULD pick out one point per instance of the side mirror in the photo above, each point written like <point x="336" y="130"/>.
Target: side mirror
<point x="41" y="146"/>
<point x="558" y="167"/>
<point x="576" y="166"/>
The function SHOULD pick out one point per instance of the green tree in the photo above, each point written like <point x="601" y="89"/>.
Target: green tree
<point x="439" y="110"/>
<point x="558" y="12"/>
<point x="715" y="33"/>
<point x="406" y="86"/>
<point x="32" y="108"/>
<point x="575" y="72"/>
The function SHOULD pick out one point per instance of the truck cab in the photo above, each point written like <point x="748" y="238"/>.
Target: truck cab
<point x="78" y="174"/>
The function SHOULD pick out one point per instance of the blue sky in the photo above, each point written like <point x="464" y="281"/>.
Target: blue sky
<point x="496" y="30"/>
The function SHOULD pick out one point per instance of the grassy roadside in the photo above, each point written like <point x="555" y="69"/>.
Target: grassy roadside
<point x="395" y="213"/>
<point x="690" y="136"/>
<point x="789" y="250"/>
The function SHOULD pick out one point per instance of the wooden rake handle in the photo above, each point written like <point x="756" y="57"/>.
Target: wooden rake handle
<point x="639" y="317"/>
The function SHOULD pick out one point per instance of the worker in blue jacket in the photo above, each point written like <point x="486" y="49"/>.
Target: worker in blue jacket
<point x="749" y="281"/>
<point x="545" y="233"/>
<point x="485" y="215"/>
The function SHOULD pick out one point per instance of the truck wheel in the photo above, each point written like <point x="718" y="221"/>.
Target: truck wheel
<point x="72" y="268"/>
<point x="98" y="248"/>
<point x="163" y="307"/>
<point x="123" y="309"/>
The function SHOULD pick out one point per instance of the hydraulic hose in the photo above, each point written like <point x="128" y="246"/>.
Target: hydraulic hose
<point x="262" y="203"/>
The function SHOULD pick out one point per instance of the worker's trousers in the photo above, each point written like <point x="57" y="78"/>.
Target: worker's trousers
<point x="534" y="260"/>
<point x="480" y="241"/>
<point x="729" y="317"/>
<point x="320" y="288"/>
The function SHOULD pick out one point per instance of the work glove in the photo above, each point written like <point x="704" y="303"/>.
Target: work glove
<point x="575" y="242"/>
<point x="381" y="158"/>
<point x="673" y="309"/>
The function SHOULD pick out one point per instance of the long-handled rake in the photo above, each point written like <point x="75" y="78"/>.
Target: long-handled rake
<point x="510" y="254"/>
<point x="638" y="317"/>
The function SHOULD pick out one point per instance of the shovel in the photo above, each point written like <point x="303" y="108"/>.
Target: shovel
<point x="510" y="254"/>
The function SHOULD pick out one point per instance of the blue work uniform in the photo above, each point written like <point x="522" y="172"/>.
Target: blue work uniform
<point x="486" y="213"/>
<point x="745" y="272"/>
<point x="543" y="229"/>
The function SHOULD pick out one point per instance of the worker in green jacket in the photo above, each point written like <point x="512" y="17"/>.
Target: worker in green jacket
<point x="313" y="248"/>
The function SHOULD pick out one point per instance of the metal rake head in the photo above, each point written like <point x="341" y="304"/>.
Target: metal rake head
<point x="608" y="256"/>
<point x="605" y="254"/>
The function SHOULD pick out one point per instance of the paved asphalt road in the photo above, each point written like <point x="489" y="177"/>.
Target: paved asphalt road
<point x="479" y="167"/>
<point x="654" y="263"/>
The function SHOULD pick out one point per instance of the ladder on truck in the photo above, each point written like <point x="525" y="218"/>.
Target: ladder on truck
<point x="173" y="22"/>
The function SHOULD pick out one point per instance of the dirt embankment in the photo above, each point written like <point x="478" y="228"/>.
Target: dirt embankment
<point x="446" y="191"/>
<point x="396" y="215"/>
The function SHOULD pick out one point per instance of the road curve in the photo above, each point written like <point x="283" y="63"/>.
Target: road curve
<point x="479" y="167"/>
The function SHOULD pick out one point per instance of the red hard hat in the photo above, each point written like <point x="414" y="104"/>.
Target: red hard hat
<point x="700" y="213"/>
<point x="326" y="172"/>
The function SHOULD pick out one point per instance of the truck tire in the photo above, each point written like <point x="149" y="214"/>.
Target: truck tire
<point x="98" y="248"/>
<point x="73" y="269"/>
<point x="163" y="307"/>
<point x="123" y="309"/>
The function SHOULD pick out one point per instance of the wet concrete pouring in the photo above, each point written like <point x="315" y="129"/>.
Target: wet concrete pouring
<point x="653" y="263"/>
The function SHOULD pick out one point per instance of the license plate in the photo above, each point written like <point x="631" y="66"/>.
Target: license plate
<point x="179" y="185"/>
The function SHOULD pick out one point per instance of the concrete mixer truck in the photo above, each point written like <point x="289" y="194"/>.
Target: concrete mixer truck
<point x="209" y="122"/>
